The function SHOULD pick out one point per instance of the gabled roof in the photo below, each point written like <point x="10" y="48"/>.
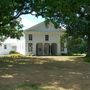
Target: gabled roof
<point x="41" y="27"/>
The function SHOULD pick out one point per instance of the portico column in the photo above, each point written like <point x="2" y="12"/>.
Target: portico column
<point x="34" y="48"/>
<point x="50" y="48"/>
<point x="43" y="48"/>
<point x="65" y="47"/>
<point x="58" y="49"/>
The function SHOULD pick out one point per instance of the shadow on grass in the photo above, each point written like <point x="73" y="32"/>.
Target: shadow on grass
<point x="44" y="74"/>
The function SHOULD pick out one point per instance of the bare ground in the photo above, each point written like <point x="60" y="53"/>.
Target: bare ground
<point x="45" y="73"/>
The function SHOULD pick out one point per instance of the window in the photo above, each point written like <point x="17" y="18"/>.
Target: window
<point x="5" y="46"/>
<point x="30" y="47"/>
<point x="46" y="37"/>
<point x="30" y="36"/>
<point x="62" y="46"/>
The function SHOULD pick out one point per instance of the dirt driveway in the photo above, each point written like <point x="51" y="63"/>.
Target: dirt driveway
<point x="46" y="73"/>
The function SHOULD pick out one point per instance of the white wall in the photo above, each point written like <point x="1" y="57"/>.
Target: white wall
<point x="38" y="32"/>
<point x="21" y="45"/>
<point x="39" y="37"/>
<point x="4" y="51"/>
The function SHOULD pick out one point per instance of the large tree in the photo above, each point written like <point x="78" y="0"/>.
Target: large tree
<point x="76" y="45"/>
<point x="9" y="21"/>
<point x="75" y="14"/>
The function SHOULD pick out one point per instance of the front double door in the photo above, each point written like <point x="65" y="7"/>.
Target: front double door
<point x="46" y="49"/>
<point x="39" y="49"/>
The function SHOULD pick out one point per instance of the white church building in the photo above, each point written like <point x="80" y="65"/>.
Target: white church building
<point x="42" y="40"/>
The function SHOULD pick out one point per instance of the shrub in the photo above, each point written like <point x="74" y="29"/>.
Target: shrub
<point x="13" y="52"/>
<point x="63" y="54"/>
<point x="87" y="59"/>
<point x="15" y="55"/>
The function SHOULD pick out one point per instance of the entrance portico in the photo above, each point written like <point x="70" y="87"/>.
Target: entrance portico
<point x="46" y="49"/>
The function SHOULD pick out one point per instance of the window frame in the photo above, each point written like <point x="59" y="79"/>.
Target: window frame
<point x="30" y="37"/>
<point x="5" y="46"/>
<point x="62" y="47"/>
<point x="46" y="37"/>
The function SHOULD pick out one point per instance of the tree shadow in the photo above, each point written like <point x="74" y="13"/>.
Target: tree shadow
<point x="46" y="73"/>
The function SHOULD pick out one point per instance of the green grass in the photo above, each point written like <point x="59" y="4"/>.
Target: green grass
<point x="27" y="86"/>
<point x="23" y="86"/>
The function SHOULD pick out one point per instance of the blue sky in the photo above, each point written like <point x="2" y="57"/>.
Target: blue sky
<point x="29" y="20"/>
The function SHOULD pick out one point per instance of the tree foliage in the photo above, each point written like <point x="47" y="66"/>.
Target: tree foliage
<point x="76" y="45"/>
<point x="57" y="11"/>
<point x="74" y="13"/>
<point x="9" y="23"/>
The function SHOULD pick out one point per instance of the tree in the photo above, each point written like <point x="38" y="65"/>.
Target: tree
<point x="74" y="14"/>
<point x="9" y="23"/>
<point x="76" y="45"/>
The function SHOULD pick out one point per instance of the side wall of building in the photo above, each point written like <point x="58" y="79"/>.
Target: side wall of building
<point x="5" y="48"/>
<point x="21" y="45"/>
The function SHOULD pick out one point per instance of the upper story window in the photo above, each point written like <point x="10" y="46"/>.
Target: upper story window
<point x="5" y="46"/>
<point x="30" y="37"/>
<point x="46" y="37"/>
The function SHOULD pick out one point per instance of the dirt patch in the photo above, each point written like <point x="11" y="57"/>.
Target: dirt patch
<point x="45" y="73"/>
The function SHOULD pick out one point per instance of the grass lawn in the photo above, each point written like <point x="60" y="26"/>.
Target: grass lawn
<point x="45" y="73"/>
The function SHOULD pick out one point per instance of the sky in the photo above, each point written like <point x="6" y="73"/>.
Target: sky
<point x="27" y="21"/>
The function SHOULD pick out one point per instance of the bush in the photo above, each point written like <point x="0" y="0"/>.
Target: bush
<point x="87" y="59"/>
<point x="13" y="52"/>
<point x="76" y="46"/>
<point x="15" y="55"/>
<point x="63" y="54"/>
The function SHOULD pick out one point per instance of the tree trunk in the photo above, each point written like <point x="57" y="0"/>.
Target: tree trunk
<point x="88" y="46"/>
